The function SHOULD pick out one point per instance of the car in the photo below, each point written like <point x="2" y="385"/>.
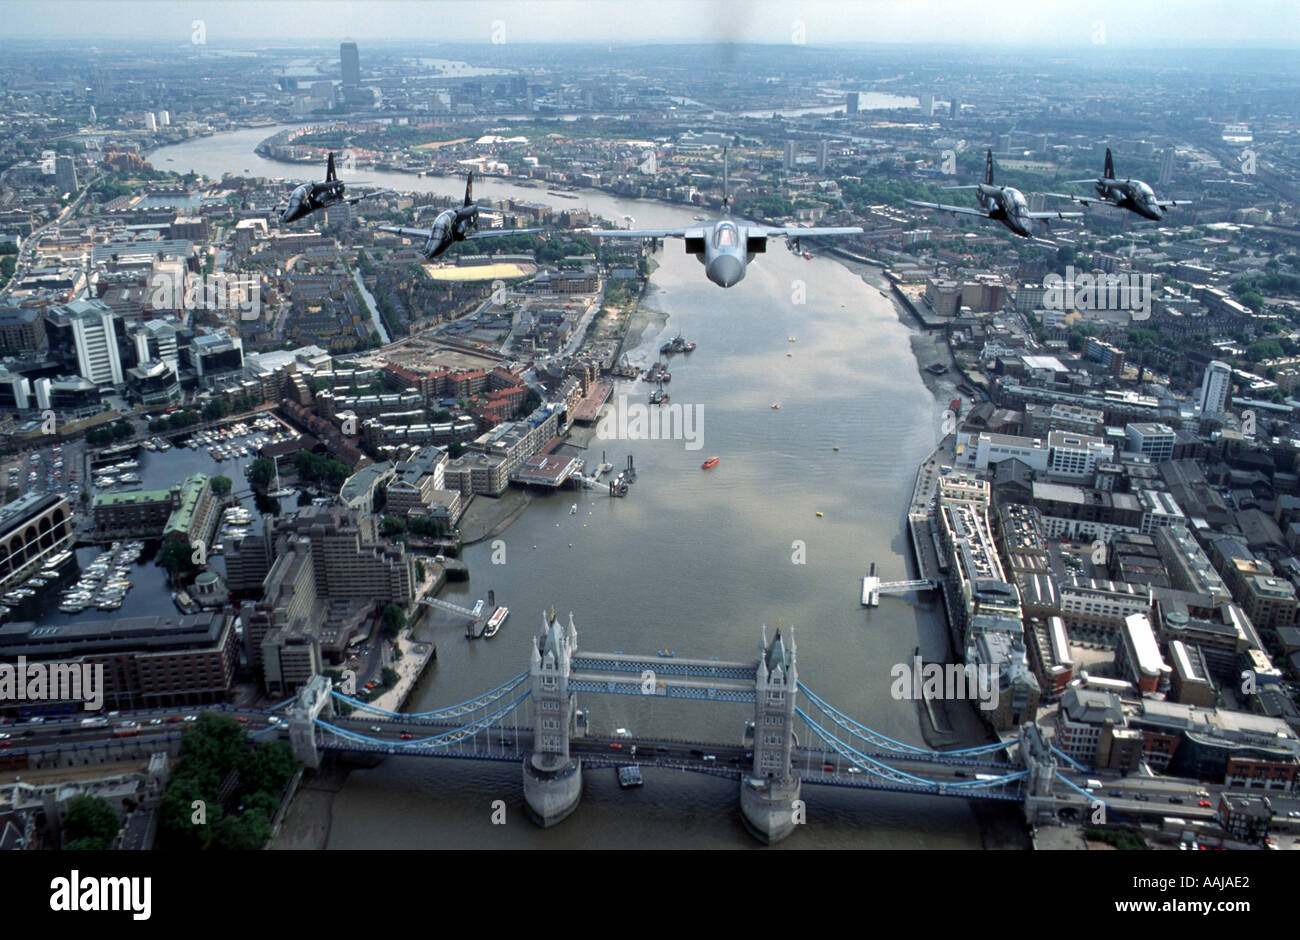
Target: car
<point x="1202" y="792"/>
<point x="830" y="767"/>
<point x="616" y="746"/>
<point x="406" y="735"/>
<point x="190" y="718"/>
<point x="1141" y="796"/>
<point x="155" y="721"/>
<point x="960" y="773"/>
<point x="1115" y="793"/>
<point x="65" y="731"/>
<point x="242" y="719"/>
<point x="855" y="770"/>
<point x="662" y="748"/>
<point x="377" y="729"/>
<point x="696" y="752"/>
<point x="6" y="744"/>
<point x="29" y="733"/>
<point x="1294" y="814"/>
<point x="369" y="687"/>
<point x="710" y="757"/>
<point x="174" y="719"/>
<point x="1176" y="799"/>
<point x="1204" y="804"/>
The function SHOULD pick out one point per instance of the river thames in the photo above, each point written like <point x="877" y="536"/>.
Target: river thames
<point x="693" y="561"/>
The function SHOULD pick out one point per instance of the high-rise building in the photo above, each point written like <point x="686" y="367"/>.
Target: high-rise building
<point x="350" y="61"/>
<point x="1167" y="167"/>
<point x="954" y="108"/>
<point x="1214" y="388"/>
<point x="65" y="174"/>
<point x="927" y="104"/>
<point x="94" y="337"/>
<point x="823" y="155"/>
<point x="851" y="103"/>
<point x="789" y="154"/>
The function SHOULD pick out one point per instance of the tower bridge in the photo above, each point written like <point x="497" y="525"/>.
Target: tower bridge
<point x="795" y="738"/>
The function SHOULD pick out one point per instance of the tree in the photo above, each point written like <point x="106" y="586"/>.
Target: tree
<point x="261" y="472"/>
<point x="90" y="823"/>
<point x="221" y="485"/>
<point x="393" y="620"/>
<point x="177" y="556"/>
<point x="455" y="449"/>
<point x="391" y="525"/>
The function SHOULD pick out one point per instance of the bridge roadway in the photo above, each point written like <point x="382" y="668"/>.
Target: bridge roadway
<point x="509" y="743"/>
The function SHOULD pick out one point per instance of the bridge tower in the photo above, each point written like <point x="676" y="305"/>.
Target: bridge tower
<point x="313" y="702"/>
<point x="768" y="793"/>
<point x="552" y="778"/>
<point x="1037" y="757"/>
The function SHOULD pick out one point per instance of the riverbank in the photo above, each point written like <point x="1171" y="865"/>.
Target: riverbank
<point x="489" y="516"/>
<point x="307" y="824"/>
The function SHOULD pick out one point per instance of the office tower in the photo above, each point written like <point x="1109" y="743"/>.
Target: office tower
<point x="927" y="104"/>
<point x="94" y="335"/>
<point x="823" y="155"/>
<point x="1214" y="388"/>
<point x="954" y="108"/>
<point x="1004" y="143"/>
<point x="789" y="154"/>
<point x="851" y="103"/>
<point x="65" y="174"/>
<point x="350" y="61"/>
<point x="1167" y="167"/>
<point x="164" y="118"/>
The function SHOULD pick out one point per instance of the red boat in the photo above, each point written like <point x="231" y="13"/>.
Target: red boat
<point x="709" y="464"/>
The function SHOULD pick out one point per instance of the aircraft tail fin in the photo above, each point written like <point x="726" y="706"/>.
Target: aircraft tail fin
<point x="1109" y="171"/>
<point x="988" y="168"/>
<point x="726" y="183"/>
<point x="330" y="174"/>
<point x="469" y="189"/>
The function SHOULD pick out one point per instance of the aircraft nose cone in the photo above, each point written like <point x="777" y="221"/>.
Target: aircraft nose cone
<point x="725" y="270"/>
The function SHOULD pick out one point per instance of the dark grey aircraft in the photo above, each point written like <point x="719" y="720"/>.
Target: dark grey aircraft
<point x="455" y="225"/>
<point x="1133" y="195"/>
<point x="1005" y="204"/>
<point x="724" y="246"/>
<point x="312" y="197"/>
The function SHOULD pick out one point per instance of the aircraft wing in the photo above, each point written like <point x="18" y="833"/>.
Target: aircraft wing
<point x="963" y="210"/>
<point x="1054" y="215"/>
<point x="1094" y="180"/>
<point x="355" y="199"/>
<point x="804" y="232"/>
<point x="403" y="230"/>
<point x="502" y="232"/>
<point x="1083" y="200"/>
<point x="636" y="233"/>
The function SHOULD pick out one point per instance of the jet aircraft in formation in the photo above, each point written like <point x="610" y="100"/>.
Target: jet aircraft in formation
<point x="1004" y="204"/>
<point x="312" y="197"/>
<point x="1133" y="195"/>
<point x="455" y="225"/>
<point x="726" y="245"/>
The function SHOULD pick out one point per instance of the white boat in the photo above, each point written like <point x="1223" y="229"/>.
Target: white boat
<point x="494" y="624"/>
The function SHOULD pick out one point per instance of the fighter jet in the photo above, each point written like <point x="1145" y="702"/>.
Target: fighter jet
<point x="312" y="197"/>
<point x="725" y="245"/>
<point x="1133" y="195"/>
<point x="1006" y="204"/>
<point x="455" y="225"/>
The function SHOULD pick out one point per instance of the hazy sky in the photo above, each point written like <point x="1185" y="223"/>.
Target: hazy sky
<point x="1078" y="23"/>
